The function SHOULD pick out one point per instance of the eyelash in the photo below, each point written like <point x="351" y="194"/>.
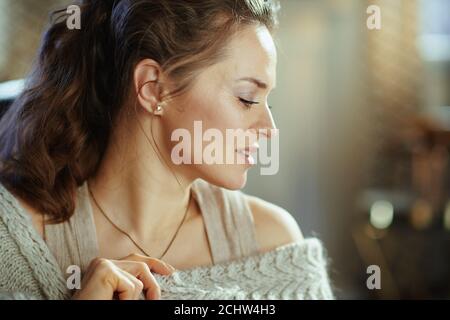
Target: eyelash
<point x="248" y="104"/>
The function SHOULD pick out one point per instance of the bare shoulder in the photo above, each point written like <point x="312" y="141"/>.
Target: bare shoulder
<point x="274" y="225"/>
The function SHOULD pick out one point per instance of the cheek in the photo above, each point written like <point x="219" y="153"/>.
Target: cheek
<point x="212" y="113"/>
<point x="221" y="113"/>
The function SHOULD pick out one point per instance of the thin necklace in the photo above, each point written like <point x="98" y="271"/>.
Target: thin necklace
<point x="130" y="237"/>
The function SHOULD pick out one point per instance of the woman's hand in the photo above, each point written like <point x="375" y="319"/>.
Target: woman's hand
<point x="126" y="278"/>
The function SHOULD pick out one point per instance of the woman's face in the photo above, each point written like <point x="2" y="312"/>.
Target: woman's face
<point x="221" y="98"/>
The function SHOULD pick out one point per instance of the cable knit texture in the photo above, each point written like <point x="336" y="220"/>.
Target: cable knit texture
<point x="29" y="270"/>
<point x="26" y="264"/>
<point x="291" y="272"/>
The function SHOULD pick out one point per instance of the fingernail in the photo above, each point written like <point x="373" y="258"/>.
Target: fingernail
<point x="170" y="267"/>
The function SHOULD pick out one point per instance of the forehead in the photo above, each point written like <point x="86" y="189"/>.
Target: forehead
<point x="252" y="53"/>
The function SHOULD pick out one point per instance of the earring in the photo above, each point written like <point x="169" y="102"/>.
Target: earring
<point x="159" y="109"/>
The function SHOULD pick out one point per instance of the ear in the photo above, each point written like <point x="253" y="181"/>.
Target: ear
<point x="147" y="76"/>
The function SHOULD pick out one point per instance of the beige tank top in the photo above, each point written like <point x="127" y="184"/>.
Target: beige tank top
<point x="227" y="218"/>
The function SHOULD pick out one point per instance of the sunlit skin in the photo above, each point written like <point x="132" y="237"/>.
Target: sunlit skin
<point x="140" y="192"/>
<point x="215" y="99"/>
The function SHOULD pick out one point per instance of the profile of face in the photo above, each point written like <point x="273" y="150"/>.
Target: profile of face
<point x="229" y="95"/>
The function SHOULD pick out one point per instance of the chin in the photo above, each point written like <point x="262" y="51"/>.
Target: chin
<point x="230" y="178"/>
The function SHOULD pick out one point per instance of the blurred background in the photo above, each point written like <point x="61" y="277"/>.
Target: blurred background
<point x="364" y="119"/>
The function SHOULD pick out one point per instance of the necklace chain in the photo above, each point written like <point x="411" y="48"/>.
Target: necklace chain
<point x="130" y="237"/>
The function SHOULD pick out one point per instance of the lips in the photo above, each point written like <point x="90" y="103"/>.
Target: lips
<point x="247" y="153"/>
<point x="249" y="150"/>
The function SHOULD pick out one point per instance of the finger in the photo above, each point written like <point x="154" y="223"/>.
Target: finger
<point x="154" y="264"/>
<point x="123" y="286"/>
<point x="136" y="285"/>
<point x="142" y="272"/>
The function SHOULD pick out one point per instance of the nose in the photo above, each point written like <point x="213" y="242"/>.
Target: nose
<point x="266" y="125"/>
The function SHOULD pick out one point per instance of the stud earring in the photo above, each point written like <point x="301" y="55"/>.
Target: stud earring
<point x="159" y="109"/>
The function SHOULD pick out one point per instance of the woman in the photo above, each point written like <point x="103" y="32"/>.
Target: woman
<point x="86" y="150"/>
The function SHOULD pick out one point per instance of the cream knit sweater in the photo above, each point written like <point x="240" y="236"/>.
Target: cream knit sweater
<point x="291" y="272"/>
<point x="295" y="271"/>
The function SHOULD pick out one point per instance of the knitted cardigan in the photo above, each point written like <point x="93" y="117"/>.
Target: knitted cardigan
<point x="28" y="270"/>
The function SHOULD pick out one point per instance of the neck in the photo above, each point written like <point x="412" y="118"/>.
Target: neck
<point x="140" y="192"/>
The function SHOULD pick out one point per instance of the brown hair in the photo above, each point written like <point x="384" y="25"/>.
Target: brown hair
<point x="54" y="135"/>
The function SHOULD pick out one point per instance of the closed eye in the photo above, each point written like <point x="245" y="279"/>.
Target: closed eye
<point x="248" y="103"/>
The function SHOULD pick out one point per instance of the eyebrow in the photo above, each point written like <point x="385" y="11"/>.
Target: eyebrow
<point x="259" y="83"/>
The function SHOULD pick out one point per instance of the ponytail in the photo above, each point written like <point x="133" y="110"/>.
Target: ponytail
<point x="53" y="137"/>
<point x="54" y="134"/>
